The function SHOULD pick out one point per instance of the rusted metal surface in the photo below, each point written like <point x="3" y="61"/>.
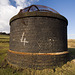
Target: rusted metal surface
<point x="38" y="8"/>
<point x="37" y="61"/>
<point x="23" y="53"/>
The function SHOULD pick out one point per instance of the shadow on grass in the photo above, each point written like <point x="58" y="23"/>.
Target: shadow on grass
<point x="72" y="53"/>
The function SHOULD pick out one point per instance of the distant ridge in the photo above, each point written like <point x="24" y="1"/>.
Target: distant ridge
<point x="4" y="33"/>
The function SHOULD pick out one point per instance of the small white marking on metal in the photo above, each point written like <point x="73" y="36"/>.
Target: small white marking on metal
<point x="53" y="40"/>
<point x="13" y="39"/>
<point x="49" y="39"/>
<point x="24" y="41"/>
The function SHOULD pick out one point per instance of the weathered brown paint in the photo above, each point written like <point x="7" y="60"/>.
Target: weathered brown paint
<point x="23" y="53"/>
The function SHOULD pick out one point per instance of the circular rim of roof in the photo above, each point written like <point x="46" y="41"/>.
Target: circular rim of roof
<point x="40" y="8"/>
<point x="37" y="13"/>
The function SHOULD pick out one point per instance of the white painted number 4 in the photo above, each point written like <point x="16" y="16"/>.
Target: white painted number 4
<point x="23" y="39"/>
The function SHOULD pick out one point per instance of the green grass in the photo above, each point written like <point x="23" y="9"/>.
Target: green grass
<point x="72" y="51"/>
<point x="4" y="36"/>
<point x="5" y="69"/>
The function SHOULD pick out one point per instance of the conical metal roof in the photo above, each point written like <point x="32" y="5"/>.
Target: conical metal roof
<point x="39" y="8"/>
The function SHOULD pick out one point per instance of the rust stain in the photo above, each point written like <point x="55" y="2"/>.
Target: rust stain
<point x="24" y="53"/>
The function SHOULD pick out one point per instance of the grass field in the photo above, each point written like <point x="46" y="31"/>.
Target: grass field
<point x="71" y="43"/>
<point x="5" y="69"/>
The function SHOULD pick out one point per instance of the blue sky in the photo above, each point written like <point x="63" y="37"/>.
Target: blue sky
<point x="64" y="7"/>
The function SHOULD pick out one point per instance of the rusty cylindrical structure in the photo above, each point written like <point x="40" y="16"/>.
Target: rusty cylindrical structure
<point x="38" y="38"/>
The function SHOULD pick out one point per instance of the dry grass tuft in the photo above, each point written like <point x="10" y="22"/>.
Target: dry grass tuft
<point x="71" y="43"/>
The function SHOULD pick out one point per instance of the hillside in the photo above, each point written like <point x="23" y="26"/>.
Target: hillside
<point x="71" y="43"/>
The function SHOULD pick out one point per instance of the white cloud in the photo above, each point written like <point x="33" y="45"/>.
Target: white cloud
<point x="24" y="3"/>
<point x="7" y="11"/>
<point x="72" y="34"/>
<point x="4" y="2"/>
